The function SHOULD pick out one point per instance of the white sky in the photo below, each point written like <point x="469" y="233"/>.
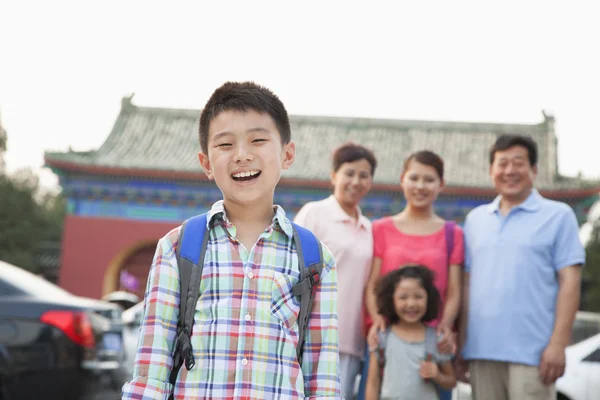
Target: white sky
<point x="65" y="65"/>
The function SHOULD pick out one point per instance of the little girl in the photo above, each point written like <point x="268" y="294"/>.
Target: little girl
<point x="405" y="366"/>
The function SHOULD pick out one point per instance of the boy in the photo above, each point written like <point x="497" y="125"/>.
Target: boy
<point x="245" y="330"/>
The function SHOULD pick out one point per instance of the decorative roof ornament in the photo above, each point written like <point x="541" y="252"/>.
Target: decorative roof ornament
<point x="126" y="102"/>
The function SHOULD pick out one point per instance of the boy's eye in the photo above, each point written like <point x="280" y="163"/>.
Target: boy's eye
<point x="224" y="145"/>
<point x="259" y="140"/>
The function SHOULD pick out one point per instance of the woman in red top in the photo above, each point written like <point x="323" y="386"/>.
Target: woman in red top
<point x="417" y="236"/>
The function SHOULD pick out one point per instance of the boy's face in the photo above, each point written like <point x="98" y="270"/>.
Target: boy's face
<point x="245" y="156"/>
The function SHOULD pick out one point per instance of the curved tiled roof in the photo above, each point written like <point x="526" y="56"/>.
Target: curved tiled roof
<point x="166" y="140"/>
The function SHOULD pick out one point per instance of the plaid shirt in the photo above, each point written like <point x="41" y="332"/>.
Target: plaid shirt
<point x="245" y="330"/>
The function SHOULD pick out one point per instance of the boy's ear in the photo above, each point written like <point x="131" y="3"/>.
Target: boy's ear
<point x="288" y="155"/>
<point x="205" y="163"/>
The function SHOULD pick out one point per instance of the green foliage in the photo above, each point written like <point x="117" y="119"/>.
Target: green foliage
<point x="591" y="272"/>
<point x="27" y="219"/>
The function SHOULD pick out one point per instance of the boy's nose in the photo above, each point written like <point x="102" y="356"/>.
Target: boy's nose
<point x="242" y="154"/>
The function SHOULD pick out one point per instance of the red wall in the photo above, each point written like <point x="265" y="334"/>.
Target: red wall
<point x="90" y="244"/>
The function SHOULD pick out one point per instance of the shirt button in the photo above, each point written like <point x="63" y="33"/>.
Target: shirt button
<point x="244" y="361"/>
<point x="250" y="274"/>
<point x="247" y="317"/>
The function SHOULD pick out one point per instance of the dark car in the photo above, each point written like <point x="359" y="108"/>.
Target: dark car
<point x="53" y="344"/>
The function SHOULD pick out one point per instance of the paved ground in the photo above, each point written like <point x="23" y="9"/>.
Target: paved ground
<point x="106" y="389"/>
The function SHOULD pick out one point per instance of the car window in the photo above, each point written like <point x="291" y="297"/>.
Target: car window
<point x="28" y="283"/>
<point x="7" y="289"/>
<point x="585" y="326"/>
<point x="594" y="356"/>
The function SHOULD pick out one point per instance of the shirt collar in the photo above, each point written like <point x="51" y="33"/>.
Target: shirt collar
<point x="531" y="203"/>
<point x="340" y="215"/>
<point x="217" y="213"/>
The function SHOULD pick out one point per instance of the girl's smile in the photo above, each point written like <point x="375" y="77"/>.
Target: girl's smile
<point x="410" y="300"/>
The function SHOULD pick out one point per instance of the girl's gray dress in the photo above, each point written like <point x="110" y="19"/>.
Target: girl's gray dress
<point x="401" y="380"/>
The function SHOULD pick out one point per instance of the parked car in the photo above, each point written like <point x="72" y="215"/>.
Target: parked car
<point x="53" y="344"/>
<point x="131" y="318"/>
<point x="124" y="299"/>
<point x="581" y="380"/>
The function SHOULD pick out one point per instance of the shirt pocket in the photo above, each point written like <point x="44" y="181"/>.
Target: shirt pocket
<point x="285" y="307"/>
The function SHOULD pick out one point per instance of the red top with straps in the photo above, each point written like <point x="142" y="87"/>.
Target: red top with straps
<point x="396" y="248"/>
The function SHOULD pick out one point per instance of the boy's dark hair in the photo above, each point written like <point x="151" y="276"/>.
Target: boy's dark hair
<point x="505" y="142"/>
<point x="244" y="97"/>
<point x="387" y="286"/>
<point x="350" y="152"/>
<point x="426" y="157"/>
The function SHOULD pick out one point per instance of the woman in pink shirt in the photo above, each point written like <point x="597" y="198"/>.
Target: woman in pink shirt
<point x="417" y="236"/>
<point x="338" y="223"/>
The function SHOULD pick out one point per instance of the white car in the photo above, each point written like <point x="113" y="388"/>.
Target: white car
<point x="581" y="380"/>
<point x="132" y="318"/>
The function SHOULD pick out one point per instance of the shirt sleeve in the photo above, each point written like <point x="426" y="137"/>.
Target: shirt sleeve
<point x="320" y="362"/>
<point x="457" y="257"/>
<point x="153" y="361"/>
<point x="568" y="249"/>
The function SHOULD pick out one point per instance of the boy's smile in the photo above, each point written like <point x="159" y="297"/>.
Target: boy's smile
<point x="245" y="175"/>
<point x="245" y="156"/>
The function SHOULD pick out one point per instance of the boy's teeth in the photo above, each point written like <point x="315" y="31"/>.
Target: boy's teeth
<point x="245" y="174"/>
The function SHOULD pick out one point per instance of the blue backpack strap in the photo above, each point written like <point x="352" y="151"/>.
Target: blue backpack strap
<point x="190" y="261"/>
<point x="449" y="232"/>
<point x="310" y="263"/>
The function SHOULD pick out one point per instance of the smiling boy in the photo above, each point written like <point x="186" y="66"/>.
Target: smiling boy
<point x="245" y="323"/>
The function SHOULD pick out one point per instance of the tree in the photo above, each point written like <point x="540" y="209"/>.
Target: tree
<point x="591" y="272"/>
<point x="27" y="219"/>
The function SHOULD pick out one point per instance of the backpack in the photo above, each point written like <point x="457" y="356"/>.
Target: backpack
<point x="190" y="261"/>
<point x="430" y="334"/>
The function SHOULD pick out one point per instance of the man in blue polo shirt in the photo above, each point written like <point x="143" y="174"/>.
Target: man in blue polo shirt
<point x="522" y="281"/>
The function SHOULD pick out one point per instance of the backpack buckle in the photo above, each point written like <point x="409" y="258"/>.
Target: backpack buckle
<point x="314" y="278"/>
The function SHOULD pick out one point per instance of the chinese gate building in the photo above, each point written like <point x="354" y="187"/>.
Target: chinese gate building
<point x="145" y="180"/>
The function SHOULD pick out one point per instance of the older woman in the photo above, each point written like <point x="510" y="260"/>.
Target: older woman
<point x="339" y="223"/>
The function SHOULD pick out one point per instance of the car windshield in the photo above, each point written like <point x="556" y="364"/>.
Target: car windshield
<point x="586" y="325"/>
<point x="30" y="284"/>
